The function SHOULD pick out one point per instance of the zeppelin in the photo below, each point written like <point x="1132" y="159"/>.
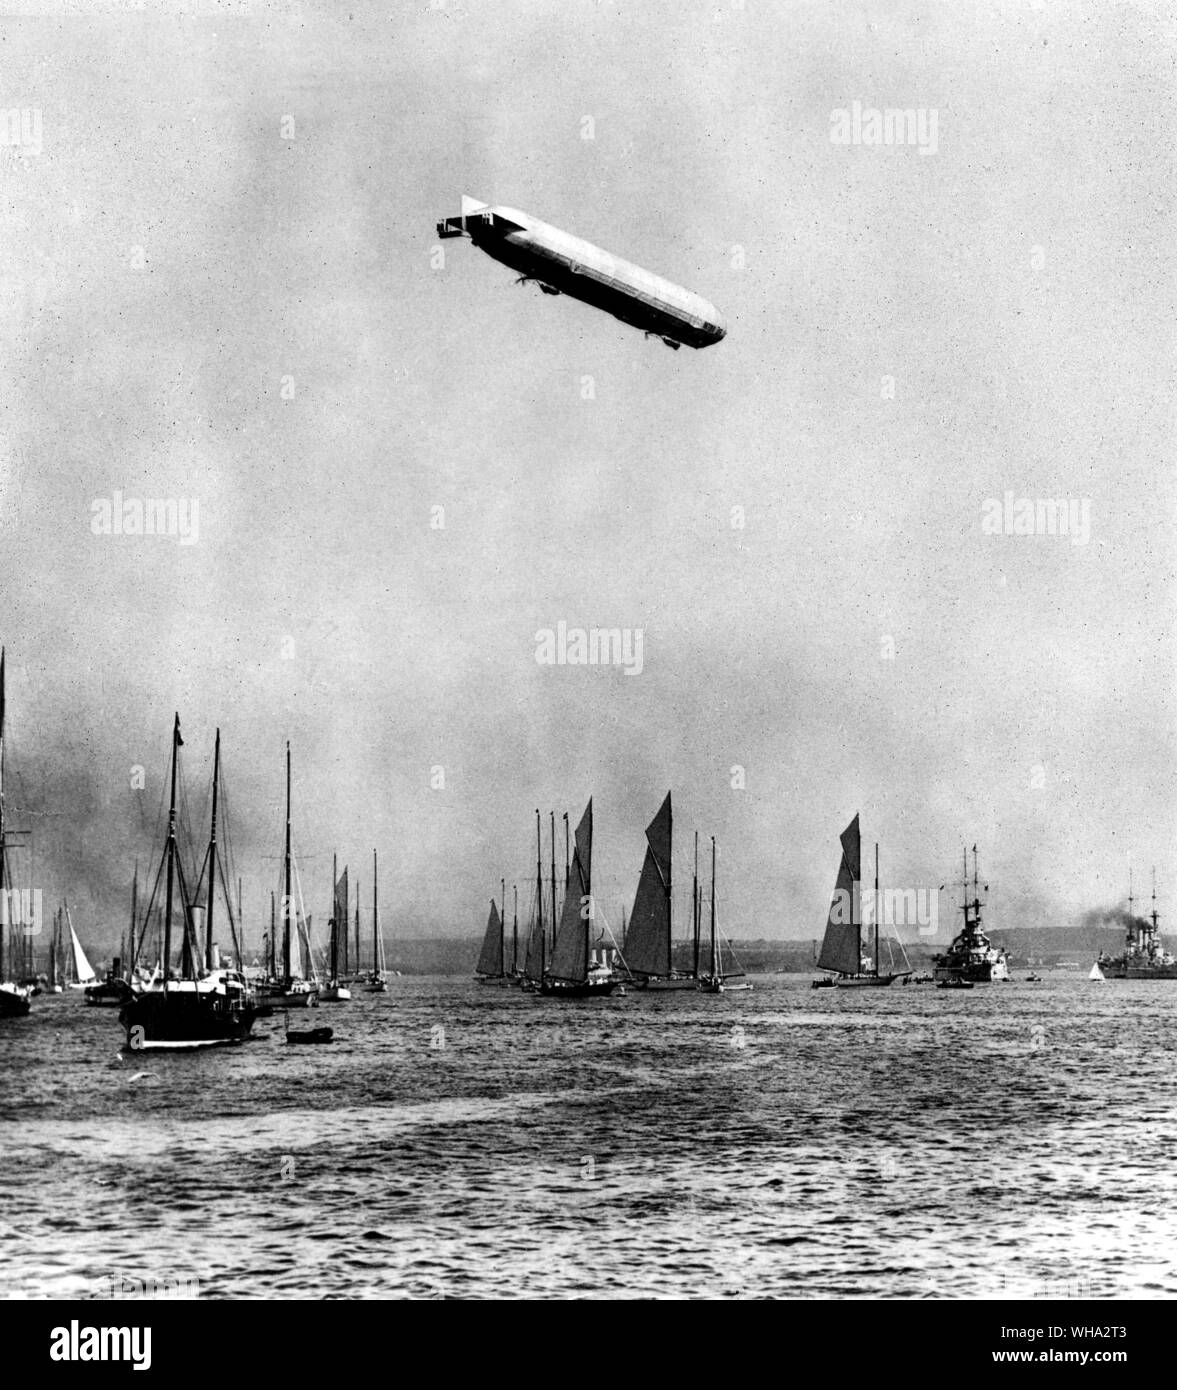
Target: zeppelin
<point x="563" y="264"/>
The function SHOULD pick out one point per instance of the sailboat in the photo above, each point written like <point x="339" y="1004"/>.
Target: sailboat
<point x="535" y="959"/>
<point x="289" y="988"/>
<point x="1096" y="973"/>
<point x="489" y="970"/>
<point x="335" y="992"/>
<point x="648" y="935"/>
<point x="377" y="983"/>
<point x="716" y="982"/>
<point x="841" y="947"/>
<point x="208" y="1004"/>
<point x="14" y="998"/>
<point x="84" y="975"/>
<point x="574" y="974"/>
<point x="54" y="985"/>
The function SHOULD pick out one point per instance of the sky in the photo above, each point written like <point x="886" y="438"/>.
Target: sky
<point x="221" y="285"/>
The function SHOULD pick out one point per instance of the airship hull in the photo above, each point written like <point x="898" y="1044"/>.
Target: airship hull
<point x="565" y="264"/>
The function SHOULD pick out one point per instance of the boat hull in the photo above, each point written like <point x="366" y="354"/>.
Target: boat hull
<point x="571" y="989"/>
<point x="864" y="981"/>
<point x="659" y="984"/>
<point x="13" y="1003"/>
<point x="180" y="1019"/>
<point x="1118" y="971"/>
<point x="312" y="1036"/>
<point x="111" y="994"/>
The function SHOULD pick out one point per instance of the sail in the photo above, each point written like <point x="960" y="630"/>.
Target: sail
<point x="1096" y="973"/>
<point x="490" y="962"/>
<point x="341" y="903"/>
<point x="570" y="956"/>
<point x="647" y="939"/>
<point x="82" y="968"/>
<point x="840" y="947"/>
<point x="533" y="963"/>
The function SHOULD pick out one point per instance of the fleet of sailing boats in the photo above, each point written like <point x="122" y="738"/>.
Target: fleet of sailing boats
<point x="207" y="1001"/>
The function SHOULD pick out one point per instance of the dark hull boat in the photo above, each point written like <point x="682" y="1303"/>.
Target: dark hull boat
<point x="567" y="989"/>
<point x="971" y="957"/>
<point x="112" y="993"/>
<point x="14" y="1001"/>
<point x="649" y="935"/>
<point x="1144" y="957"/>
<point x="213" y="1013"/>
<point x="311" y="1035"/>
<point x="207" y="1006"/>
<point x="574" y="973"/>
<point x="841" y="947"/>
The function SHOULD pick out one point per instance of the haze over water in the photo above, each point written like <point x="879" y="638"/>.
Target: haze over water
<point x="468" y="1141"/>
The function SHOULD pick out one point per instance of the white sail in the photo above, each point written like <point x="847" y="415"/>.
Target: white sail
<point x="82" y="966"/>
<point x="1096" y="973"/>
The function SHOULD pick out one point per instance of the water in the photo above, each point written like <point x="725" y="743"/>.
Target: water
<point x="461" y="1140"/>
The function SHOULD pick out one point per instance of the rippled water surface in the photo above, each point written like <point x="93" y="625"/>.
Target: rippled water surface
<point x="458" y="1140"/>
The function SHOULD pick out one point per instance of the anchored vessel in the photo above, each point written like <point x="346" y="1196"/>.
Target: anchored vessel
<point x="649" y="933"/>
<point x="574" y="974"/>
<point x="14" y="998"/>
<point x="377" y="984"/>
<point x="335" y="991"/>
<point x="564" y="264"/>
<point x="1144" y="956"/>
<point x="841" y="947"/>
<point x="489" y="970"/>
<point x="716" y="981"/>
<point x="971" y="957"/>
<point x="208" y="1004"/>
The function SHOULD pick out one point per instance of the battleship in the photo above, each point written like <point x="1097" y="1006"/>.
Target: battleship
<point x="1144" y="957"/>
<point x="971" y="957"/>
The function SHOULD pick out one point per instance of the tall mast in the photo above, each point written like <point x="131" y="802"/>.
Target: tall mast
<point x="539" y="891"/>
<point x="335" y="918"/>
<point x="375" y="917"/>
<point x="695" y="904"/>
<point x="553" y="881"/>
<point x="286" y="904"/>
<point x="964" y="855"/>
<point x="171" y="853"/>
<point x="714" y="966"/>
<point x="567" y="859"/>
<point x="515" y="933"/>
<point x="241" y="924"/>
<point x="669" y="899"/>
<point x="212" y="860"/>
<point x="878" y="909"/>
<point x="129" y="960"/>
<point x="503" y="930"/>
<point x="588" y="916"/>
<point x="273" y="953"/>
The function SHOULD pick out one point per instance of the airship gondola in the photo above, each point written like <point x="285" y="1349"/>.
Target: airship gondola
<point x="563" y="264"/>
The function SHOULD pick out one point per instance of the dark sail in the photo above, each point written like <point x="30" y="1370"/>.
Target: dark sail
<point x="490" y="962"/>
<point x="647" y="939"/>
<point x="570" y="957"/>
<point x="841" y="945"/>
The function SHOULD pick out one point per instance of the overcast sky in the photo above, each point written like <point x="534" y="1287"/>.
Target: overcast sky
<point x="170" y="263"/>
